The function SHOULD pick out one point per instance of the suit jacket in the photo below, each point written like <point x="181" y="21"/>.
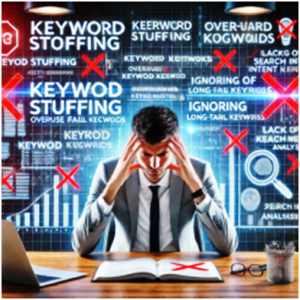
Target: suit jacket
<point x="214" y="219"/>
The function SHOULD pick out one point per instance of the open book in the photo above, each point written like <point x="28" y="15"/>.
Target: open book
<point x="166" y="269"/>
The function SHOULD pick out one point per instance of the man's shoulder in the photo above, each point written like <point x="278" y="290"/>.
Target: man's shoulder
<point x="109" y="165"/>
<point x="202" y="167"/>
<point x="199" y="163"/>
<point x="112" y="161"/>
<point x="106" y="167"/>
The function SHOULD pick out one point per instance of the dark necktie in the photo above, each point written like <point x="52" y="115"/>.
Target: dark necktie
<point x="154" y="220"/>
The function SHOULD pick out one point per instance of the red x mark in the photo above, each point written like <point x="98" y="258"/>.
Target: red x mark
<point x="4" y="181"/>
<point x="295" y="165"/>
<point x="6" y="90"/>
<point x="252" y="54"/>
<point x="194" y="266"/>
<point x="92" y="65"/>
<point x="225" y="60"/>
<point x="68" y="177"/>
<point x="286" y="29"/>
<point x="284" y="95"/>
<point x="235" y="140"/>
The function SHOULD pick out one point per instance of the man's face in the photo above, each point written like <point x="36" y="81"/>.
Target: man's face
<point x="154" y="159"/>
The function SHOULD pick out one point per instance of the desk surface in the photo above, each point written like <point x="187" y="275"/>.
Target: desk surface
<point x="232" y="287"/>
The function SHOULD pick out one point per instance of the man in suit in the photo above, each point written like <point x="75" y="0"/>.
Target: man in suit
<point x="154" y="190"/>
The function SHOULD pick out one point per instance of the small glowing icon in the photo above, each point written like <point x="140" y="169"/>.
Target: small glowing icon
<point x="250" y="199"/>
<point x="191" y="129"/>
<point x="10" y="38"/>
<point x="265" y="167"/>
<point x="286" y="26"/>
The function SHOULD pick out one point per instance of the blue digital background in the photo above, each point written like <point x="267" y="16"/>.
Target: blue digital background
<point x="35" y="170"/>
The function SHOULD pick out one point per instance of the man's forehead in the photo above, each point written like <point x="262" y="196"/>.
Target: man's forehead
<point x="158" y="147"/>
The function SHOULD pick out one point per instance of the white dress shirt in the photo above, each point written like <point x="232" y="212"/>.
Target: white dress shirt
<point x="143" y="227"/>
<point x="143" y="224"/>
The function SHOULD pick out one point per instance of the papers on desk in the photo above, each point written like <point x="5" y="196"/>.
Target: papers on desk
<point x="149" y="269"/>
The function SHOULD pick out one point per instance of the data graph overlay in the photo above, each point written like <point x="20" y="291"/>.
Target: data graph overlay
<point x="50" y="211"/>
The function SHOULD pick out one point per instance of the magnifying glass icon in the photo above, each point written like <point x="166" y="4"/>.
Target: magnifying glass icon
<point x="262" y="168"/>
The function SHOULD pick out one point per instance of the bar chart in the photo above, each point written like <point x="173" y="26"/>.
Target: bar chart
<point x="50" y="211"/>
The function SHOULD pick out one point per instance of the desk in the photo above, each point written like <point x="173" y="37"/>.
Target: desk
<point x="232" y="287"/>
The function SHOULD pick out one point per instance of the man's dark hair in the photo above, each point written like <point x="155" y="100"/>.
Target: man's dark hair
<point x="155" y="123"/>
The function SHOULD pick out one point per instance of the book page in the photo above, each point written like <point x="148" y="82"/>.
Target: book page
<point x="112" y="269"/>
<point x="170" y="269"/>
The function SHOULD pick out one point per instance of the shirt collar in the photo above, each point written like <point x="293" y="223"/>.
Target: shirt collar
<point x="144" y="182"/>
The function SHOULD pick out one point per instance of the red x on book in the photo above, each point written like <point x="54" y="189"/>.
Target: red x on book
<point x="193" y="266"/>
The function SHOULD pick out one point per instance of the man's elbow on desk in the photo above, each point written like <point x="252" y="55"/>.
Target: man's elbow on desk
<point x="81" y="251"/>
<point x="81" y="245"/>
<point x="228" y="249"/>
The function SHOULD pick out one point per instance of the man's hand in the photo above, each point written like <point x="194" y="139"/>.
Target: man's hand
<point x="185" y="168"/>
<point x="122" y="170"/>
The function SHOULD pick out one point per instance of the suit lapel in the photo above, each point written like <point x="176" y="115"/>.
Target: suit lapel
<point x="176" y="186"/>
<point x="132" y="193"/>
